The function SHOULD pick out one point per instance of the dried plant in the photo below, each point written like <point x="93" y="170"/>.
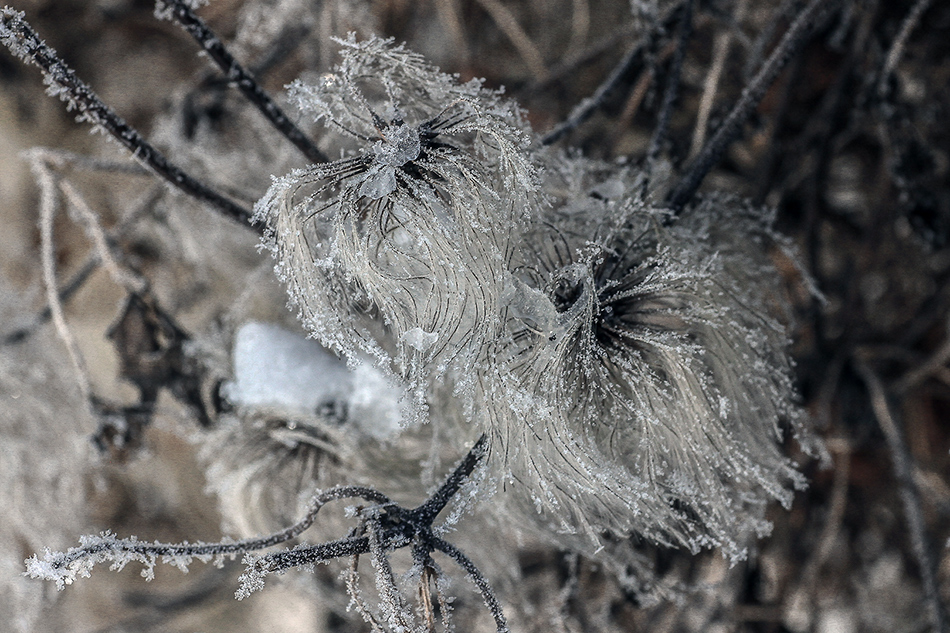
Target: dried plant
<point x="617" y="341"/>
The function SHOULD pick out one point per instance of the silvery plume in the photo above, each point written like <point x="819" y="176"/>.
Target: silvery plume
<point x="398" y="249"/>
<point x="628" y="366"/>
<point x="644" y="384"/>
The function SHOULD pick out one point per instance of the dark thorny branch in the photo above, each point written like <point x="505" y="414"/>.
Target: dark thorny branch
<point x="384" y="527"/>
<point x="237" y="74"/>
<point x="731" y="127"/>
<point x="23" y="41"/>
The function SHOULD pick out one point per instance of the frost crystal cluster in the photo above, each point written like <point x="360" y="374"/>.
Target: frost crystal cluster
<point x="628" y="366"/>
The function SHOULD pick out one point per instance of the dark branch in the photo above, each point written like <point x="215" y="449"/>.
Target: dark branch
<point x="731" y="128"/>
<point x="72" y="286"/>
<point x="670" y="93"/>
<point x="909" y="493"/>
<point x="244" y="81"/>
<point x="24" y="42"/>
<point x="426" y="513"/>
<point x="588" y="106"/>
<point x="288" y="559"/>
<point x="480" y="581"/>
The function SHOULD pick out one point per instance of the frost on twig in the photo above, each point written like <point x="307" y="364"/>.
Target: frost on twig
<point x="384" y="527"/>
<point x="20" y="38"/>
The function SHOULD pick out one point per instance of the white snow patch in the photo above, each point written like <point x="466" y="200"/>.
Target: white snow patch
<point x="274" y="367"/>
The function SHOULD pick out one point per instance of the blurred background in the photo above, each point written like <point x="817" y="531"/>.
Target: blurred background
<point x="850" y="145"/>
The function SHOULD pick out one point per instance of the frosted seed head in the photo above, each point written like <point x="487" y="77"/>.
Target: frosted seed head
<point x="400" y="145"/>
<point x="400" y="249"/>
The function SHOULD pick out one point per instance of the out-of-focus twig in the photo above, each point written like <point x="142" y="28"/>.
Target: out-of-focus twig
<point x="910" y="495"/>
<point x="937" y="361"/>
<point x="49" y="202"/>
<point x="669" y="94"/>
<point x="59" y="159"/>
<point x="900" y="42"/>
<point x="721" y="44"/>
<point x="508" y="24"/>
<point x="714" y="149"/>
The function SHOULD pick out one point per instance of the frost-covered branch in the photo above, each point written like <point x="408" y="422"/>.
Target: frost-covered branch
<point x="384" y="527"/>
<point x="182" y="13"/>
<point x="480" y="581"/>
<point x="64" y="567"/>
<point x="18" y="36"/>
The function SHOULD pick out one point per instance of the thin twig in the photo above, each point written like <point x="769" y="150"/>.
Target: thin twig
<point x="639" y="93"/>
<point x="807" y="581"/>
<point x="428" y="511"/>
<point x="580" y="27"/>
<point x="900" y="42"/>
<point x="121" y="275"/>
<point x="937" y="361"/>
<point x="394" y="605"/>
<point x="49" y="202"/>
<point x="68" y="289"/>
<point x="721" y="45"/>
<point x="501" y="624"/>
<point x="669" y="94"/>
<point x="730" y="129"/>
<point x="508" y="24"/>
<point x="58" y="158"/>
<point x="448" y="11"/>
<point x="572" y="63"/>
<point x="583" y="110"/>
<point x="274" y="563"/>
<point x="24" y="42"/>
<point x="356" y="594"/>
<point x="910" y="495"/>
<point x="245" y="82"/>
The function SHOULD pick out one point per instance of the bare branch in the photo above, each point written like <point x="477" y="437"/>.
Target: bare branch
<point x="910" y="495"/>
<point x="670" y="93"/>
<point x="583" y="110"/>
<point x="730" y="129"/>
<point x="239" y="76"/>
<point x="501" y="624"/>
<point x="17" y="35"/>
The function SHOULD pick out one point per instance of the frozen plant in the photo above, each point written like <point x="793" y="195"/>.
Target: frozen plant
<point x="622" y="357"/>
<point x="627" y="365"/>
<point x="647" y="383"/>
<point x="400" y="248"/>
